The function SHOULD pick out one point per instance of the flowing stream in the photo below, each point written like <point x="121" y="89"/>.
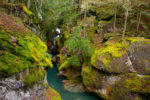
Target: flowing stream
<point x="56" y="83"/>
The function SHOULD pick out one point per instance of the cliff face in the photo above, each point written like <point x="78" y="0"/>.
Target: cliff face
<point x="23" y="60"/>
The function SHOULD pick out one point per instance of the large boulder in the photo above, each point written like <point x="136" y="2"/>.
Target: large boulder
<point x="98" y="82"/>
<point x="129" y="86"/>
<point x="120" y="69"/>
<point x="120" y="56"/>
<point x="19" y="47"/>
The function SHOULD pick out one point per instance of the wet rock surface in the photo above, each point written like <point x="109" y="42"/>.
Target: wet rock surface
<point x="75" y="88"/>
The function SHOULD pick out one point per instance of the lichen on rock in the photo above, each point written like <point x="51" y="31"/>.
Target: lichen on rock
<point x="113" y="56"/>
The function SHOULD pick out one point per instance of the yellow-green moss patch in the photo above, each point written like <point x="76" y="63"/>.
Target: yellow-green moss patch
<point x="113" y="48"/>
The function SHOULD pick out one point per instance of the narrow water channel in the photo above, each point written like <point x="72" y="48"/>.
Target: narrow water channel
<point x="56" y="83"/>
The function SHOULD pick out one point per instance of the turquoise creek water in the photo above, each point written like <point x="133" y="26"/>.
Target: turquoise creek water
<point x="56" y="83"/>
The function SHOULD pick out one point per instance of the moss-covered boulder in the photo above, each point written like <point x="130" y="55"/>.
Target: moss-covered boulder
<point x="51" y="94"/>
<point x="91" y="78"/>
<point x="97" y="81"/>
<point x="20" y="48"/>
<point x="71" y="68"/>
<point x="114" y="56"/>
<point x="130" y="87"/>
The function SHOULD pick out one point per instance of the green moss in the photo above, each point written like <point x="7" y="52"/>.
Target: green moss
<point x="113" y="48"/>
<point x="134" y="82"/>
<point x="135" y="39"/>
<point x="11" y="63"/>
<point x="51" y="94"/>
<point x="74" y="61"/>
<point x="35" y="75"/>
<point x="103" y="22"/>
<point x="91" y="32"/>
<point x="72" y="67"/>
<point x="27" y="11"/>
<point x="87" y="76"/>
<point x="91" y="78"/>
<point x="21" y="51"/>
<point x="137" y="84"/>
<point x="33" y="49"/>
<point x="72" y="72"/>
<point x="67" y="34"/>
<point x="63" y="65"/>
<point x="61" y="57"/>
<point x="130" y="83"/>
<point x="59" y="44"/>
<point x="70" y="62"/>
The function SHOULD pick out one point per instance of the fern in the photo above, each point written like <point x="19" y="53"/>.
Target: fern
<point x="77" y="44"/>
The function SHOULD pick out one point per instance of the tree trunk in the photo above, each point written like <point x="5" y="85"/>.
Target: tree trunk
<point x="84" y="23"/>
<point x="125" y="23"/>
<point x="9" y="1"/>
<point x="138" y="21"/>
<point x="28" y="4"/>
<point x="115" y="15"/>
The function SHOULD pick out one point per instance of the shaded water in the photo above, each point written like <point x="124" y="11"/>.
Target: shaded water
<point x="56" y="83"/>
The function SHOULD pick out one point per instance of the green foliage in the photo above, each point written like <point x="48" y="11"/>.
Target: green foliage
<point x="77" y="43"/>
<point x="105" y="11"/>
<point x="62" y="10"/>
